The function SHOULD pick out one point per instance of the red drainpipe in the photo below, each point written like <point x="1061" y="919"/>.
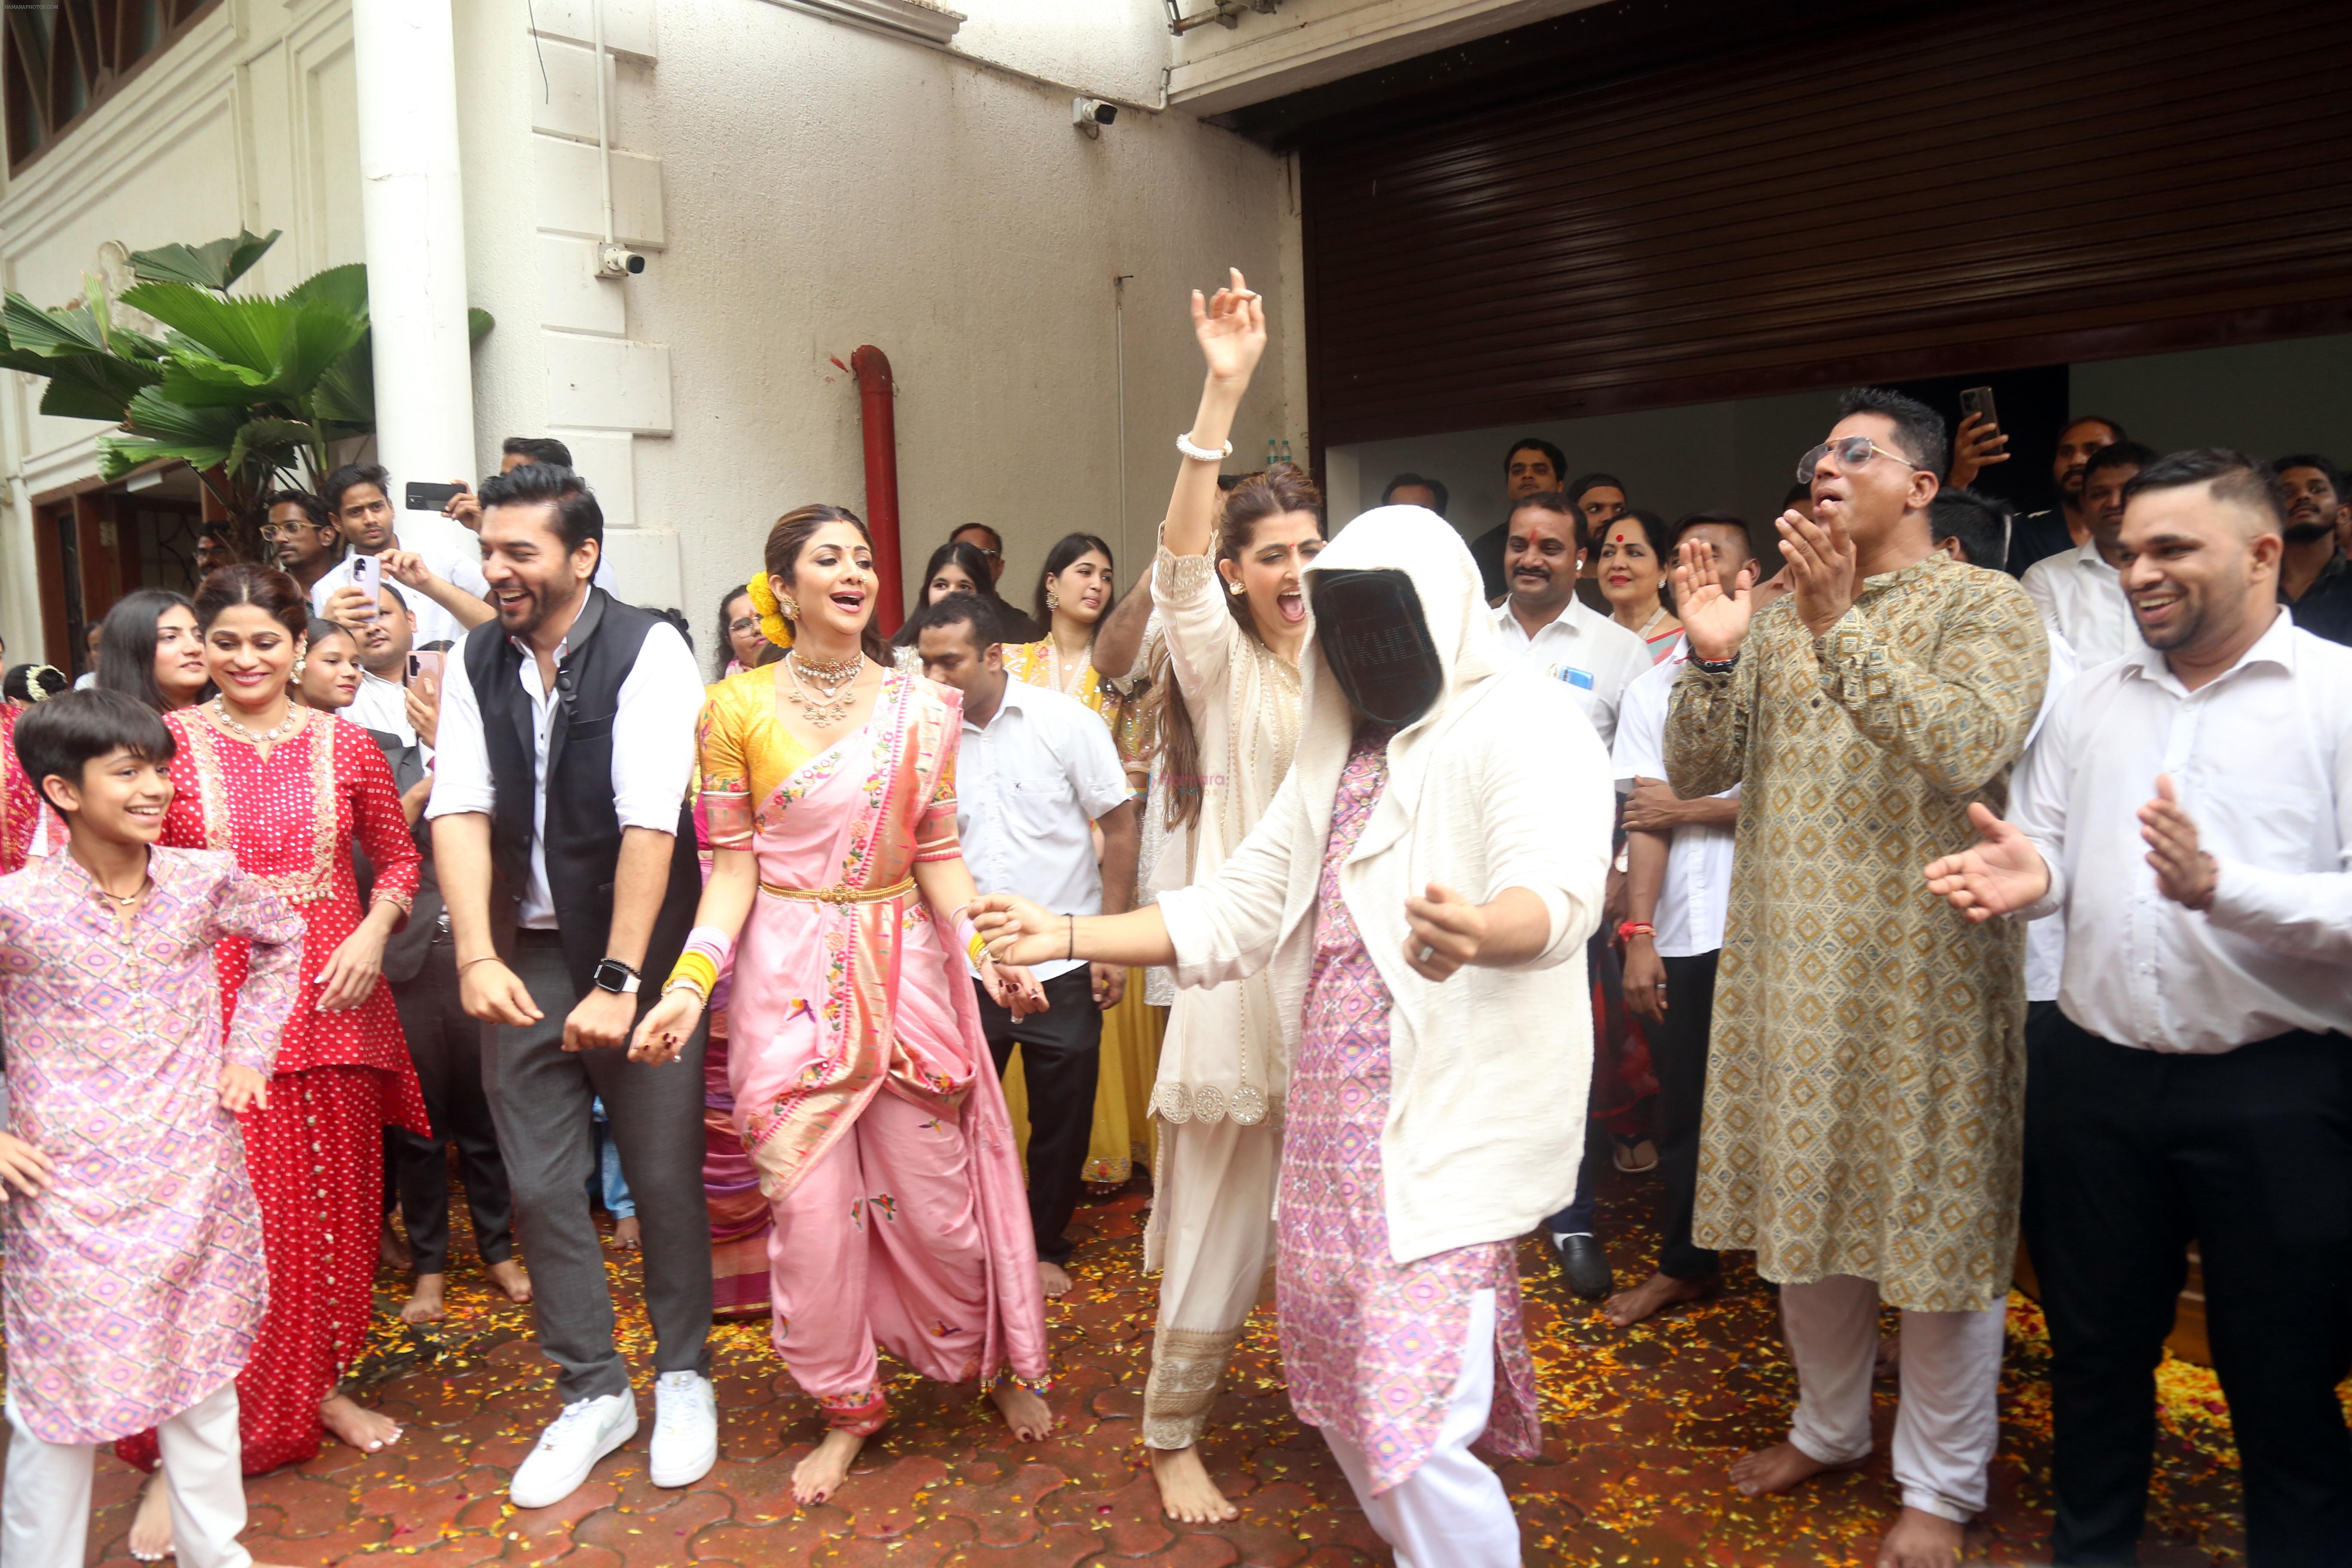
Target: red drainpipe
<point x="875" y="394"/>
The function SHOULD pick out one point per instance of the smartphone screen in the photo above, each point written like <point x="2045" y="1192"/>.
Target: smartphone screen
<point x="425" y="667"/>
<point x="1978" y="400"/>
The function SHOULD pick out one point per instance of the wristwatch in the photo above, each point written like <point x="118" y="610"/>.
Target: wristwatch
<point x="611" y="974"/>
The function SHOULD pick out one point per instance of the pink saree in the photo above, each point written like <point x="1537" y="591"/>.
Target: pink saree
<point x="864" y="1094"/>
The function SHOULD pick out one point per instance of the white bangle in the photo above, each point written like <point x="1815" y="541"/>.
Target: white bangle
<point x="1201" y="454"/>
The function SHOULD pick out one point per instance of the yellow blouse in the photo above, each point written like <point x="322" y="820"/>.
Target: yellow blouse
<point x="1038" y="663"/>
<point x="746" y="752"/>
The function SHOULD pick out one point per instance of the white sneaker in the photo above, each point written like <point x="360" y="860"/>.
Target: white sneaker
<point x="586" y="1431"/>
<point x="685" y="1429"/>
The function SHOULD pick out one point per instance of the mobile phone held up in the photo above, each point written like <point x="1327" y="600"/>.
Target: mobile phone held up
<point x="367" y="575"/>
<point x="1973" y="400"/>
<point x="432" y="497"/>
<point x="424" y="668"/>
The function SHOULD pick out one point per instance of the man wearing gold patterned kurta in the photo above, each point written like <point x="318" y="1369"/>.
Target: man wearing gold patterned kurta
<point x="1865" y="1087"/>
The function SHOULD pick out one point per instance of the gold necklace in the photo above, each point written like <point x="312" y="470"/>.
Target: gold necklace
<point x="292" y="721"/>
<point x="824" y="691"/>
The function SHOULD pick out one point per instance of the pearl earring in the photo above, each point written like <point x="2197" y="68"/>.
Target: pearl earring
<point x="1235" y="589"/>
<point x="790" y="606"/>
<point x="298" y="665"/>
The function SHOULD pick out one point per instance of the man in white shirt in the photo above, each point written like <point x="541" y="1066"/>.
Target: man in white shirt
<point x="2189" y="809"/>
<point x="451" y="594"/>
<point x="1678" y="881"/>
<point x="566" y="741"/>
<point x="383" y="703"/>
<point x="1544" y="623"/>
<point x="1035" y="774"/>
<point x="2079" y="593"/>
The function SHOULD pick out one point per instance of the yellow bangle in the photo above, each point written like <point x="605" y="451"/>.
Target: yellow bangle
<point x="697" y="970"/>
<point x="978" y="948"/>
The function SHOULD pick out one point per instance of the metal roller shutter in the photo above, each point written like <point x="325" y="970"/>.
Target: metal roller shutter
<point x="1916" y="193"/>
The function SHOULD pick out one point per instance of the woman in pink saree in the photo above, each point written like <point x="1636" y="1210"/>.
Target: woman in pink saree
<point x="863" y="1088"/>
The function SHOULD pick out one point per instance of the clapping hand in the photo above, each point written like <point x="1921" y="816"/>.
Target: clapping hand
<point x="2004" y="872"/>
<point x="2184" y="872"/>
<point x="1231" y="327"/>
<point x="1714" y="618"/>
<point x="1821" y="569"/>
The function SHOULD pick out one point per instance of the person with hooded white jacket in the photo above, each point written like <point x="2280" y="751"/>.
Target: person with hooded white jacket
<point x="1420" y="893"/>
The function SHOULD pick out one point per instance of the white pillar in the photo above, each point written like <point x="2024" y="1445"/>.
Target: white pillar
<point x="412" y="204"/>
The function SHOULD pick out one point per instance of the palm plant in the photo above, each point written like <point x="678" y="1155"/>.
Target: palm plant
<point x="247" y="390"/>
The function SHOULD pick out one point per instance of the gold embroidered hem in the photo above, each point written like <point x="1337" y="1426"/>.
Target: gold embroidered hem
<point x="1188" y="1369"/>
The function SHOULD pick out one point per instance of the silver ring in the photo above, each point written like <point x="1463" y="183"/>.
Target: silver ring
<point x="1427" y="953"/>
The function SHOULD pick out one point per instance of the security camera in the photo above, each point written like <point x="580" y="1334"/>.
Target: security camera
<point x="1091" y="114"/>
<point x="618" y="261"/>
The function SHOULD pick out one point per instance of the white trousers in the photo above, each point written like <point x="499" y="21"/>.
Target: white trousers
<point x="1211" y="1236"/>
<point x="45" y="1519"/>
<point x="1452" y="1512"/>
<point x="1948" y="1422"/>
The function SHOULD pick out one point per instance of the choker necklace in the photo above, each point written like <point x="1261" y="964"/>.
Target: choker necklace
<point x="293" y="720"/>
<point x="823" y="691"/>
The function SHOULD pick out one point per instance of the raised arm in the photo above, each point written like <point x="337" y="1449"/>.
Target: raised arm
<point x="1231" y="327"/>
<point x="1118" y="654"/>
<point x="1708" y="713"/>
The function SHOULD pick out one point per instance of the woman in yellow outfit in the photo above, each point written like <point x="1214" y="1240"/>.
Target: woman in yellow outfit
<point x="1073" y="593"/>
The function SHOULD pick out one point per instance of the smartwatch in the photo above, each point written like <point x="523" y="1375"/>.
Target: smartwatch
<point x="611" y="974"/>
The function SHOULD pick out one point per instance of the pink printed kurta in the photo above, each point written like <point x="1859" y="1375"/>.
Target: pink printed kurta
<point x="136" y="1282"/>
<point x="864" y="1090"/>
<point x="1373" y="1348"/>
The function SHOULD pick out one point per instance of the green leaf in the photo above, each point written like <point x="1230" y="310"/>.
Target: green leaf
<point x="213" y="266"/>
<point x="274" y="441"/>
<point x="154" y="413"/>
<point x="53" y="332"/>
<point x="200" y="383"/>
<point x="345" y="287"/>
<point x="479" y="323"/>
<point x="119" y="455"/>
<point x="95" y="386"/>
<point x="243" y="331"/>
<point x="346" y="393"/>
<point x="319" y="334"/>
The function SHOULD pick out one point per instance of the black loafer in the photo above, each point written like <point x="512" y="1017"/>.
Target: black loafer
<point x="1584" y="1266"/>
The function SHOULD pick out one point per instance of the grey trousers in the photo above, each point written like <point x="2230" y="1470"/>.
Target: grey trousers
<point x="540" y="1094"/>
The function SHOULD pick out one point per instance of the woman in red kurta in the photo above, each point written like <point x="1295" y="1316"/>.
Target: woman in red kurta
<point x="20" y="808"/>
<point x="287" y="788"/>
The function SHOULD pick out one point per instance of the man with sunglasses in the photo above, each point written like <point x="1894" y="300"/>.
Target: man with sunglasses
<point x="1015" y="626"/>
<point x="1864" y="1098"/>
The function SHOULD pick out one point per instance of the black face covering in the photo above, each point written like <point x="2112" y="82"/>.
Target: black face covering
<point x="1377" y="642"/>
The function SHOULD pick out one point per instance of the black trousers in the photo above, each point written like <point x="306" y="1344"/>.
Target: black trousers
<point x="445" y="1046"/>
<point x="1679" y="1058"/>
<point x="1061" y="1057"/>
<point x="2129" y="1156"/>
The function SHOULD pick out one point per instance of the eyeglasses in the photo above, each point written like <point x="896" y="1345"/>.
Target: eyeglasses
<point x="1852" y="451"/>
<point x="743" y="624"/>
<point x="271" y="532"/>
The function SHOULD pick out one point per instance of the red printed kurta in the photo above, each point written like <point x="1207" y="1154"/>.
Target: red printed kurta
<point x="316" y="1154"/>
<point x="134" y="1281"/>
<point x="20" y="804"/>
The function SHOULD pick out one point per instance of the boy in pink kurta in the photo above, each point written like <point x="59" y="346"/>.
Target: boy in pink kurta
<point x="135" y="1278"/>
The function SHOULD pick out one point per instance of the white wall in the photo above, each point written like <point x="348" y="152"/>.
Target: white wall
<point x="828" y="187"/>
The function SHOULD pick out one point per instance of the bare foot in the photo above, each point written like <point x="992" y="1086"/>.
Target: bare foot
<point x="1186" y="1492"/>
<point x="355" y="1425"/>
<point x="1652" y="1295"/>
<point x="1918" y="1538"/>
<point x="1781" y="1466"/>
<point x="1054" y="1277"/>
<point x="423" y="1303"/>
<point x="820" y="1474"/>
<point x="151" y="1527"/>
<point x="509" y="1277"/>
<point x="628" y="1233"/>
<point x="1025" y="1411"/>
<point x="392" y="1248"/>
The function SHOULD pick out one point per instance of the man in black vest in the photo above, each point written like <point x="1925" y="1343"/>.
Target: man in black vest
<point x="566" y="742"/>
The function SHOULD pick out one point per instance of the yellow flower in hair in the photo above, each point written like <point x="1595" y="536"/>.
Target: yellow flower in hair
<point x="773" y="625"/>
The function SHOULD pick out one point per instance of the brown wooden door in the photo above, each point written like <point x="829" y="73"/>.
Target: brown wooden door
<point x="1919" y="192"/>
